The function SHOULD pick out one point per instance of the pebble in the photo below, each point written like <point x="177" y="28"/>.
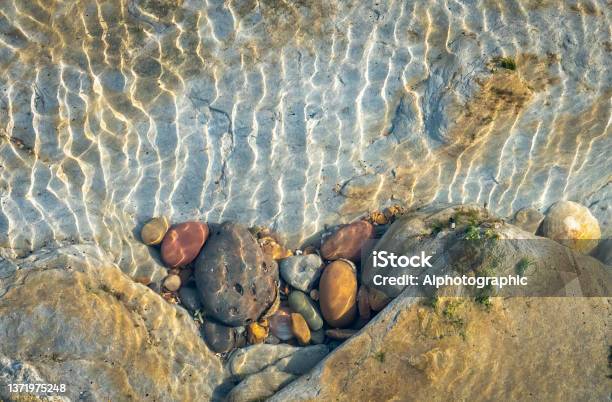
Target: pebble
<point x="377" y="299"/>
<point x="145" y="280"/>
<point x="218" y="337"/>
<point x="317" y="337"/>
<point x="183" y="242"/>
<point x="300" y="329"/>
<point x="280" y="324"/>
<point x="338" y="293"/>
<point x="172" y="282"/>
<point x="340" y="334"/>
<point x="301" y="271"/>
<point x="363" y="304"/>
<point x="274" y="307"/>
<point x="314" y="294"/>
<point x="189" y="298"/>
<point x="573" y="225"/>
<point x="300" y="303"/>
<point x="153" y="231"/>
<point x="348" y="241"/>
<point x="237" y="283"/>
<point x="256" y="333"/>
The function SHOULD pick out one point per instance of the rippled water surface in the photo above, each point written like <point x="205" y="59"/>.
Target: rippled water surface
<point x="293" y="115"/>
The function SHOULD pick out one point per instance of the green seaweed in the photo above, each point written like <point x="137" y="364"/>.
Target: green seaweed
<point x="472" y="232"/>
<point x="522" y="265"/>
<point x="507" y="63"/>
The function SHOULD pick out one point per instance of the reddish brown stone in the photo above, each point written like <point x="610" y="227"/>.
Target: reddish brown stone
<point x="348" y="241"/>
<point x="183" y="242"/>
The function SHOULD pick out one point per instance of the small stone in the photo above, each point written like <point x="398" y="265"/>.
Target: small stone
<point x="314" y="294"/>
<point x="348" y="241"/>
<point x="183" y="242"/>
<point x="377" y="299"/>
<point x="172" y="282"/>
<point x="218" y="337"/>
<point x="272" y="340"/>
<point x="528" y="219"/>
<point x="190" y="299"/>
<point x="340" y="334"/>
<point x="378" y="218"/>
<point x="256" y="333"/>
<point x="301" y="271"/>
<point x="338" y="293"/>
<point x="300" y="329"/>
<point x="273" y="249"/>
<point x="300" y="303"/>
<point x="280" y="324"/>
<point x="317" y="337"/>
<point x="573" y="225"/>
<point x="363" y="304"/>
<point x="153" y="232"/>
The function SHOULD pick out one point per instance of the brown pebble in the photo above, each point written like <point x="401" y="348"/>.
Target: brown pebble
<point x="363" y="304"/>
<point x="338" y="293"/>
<point x="300" y="329"/>
<point x="172" y="282"/>
<point x="377" y="299"/>
<point x="340" y="334"/>
<point x="348" y="241"/>
<point x="183" y="243"/>
<point x="256" y="333"/>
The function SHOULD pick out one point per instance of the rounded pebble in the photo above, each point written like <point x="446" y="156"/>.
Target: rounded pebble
<point x="172" y="282"/>
<point x="183" y="242"/>
<point x="300" y="303"/>
<point x="280" y="324"/>
<point x="338" y="293"/>
<point x="300" y="329"/>
<point x="153" y="231"/>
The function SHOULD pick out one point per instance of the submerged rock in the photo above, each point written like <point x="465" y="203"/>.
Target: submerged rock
<point x="256" y="333"/>
<point x="301" y="271"/>
<point x="106" y="337"/>
<point x="348" y="241"/>
<point x="189" y="298"/>
<point x="572" y="225"/>
<point x="220" y="338"/>
<point x="528" y="219"/>
<point x="340" y="334"/>
<point x="338" y="293"/>
<point x="153" y="232"/>
<point x="302" y="304"/>
<point x="273" y="376"/>
<point x="236" y="282"/>
<point x="183" y="242"/>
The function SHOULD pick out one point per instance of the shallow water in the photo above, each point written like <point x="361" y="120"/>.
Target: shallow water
<point x="293" y="115"/>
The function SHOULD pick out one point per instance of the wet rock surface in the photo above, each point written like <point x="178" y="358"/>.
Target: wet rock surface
<point x="301" y="271"/>
<point x="267" y="368"/>
<point x="183" y="242"/>
<point x="106" y="337"/>
<point x="219" y="338"/>
<point x="236" y="282"/>
<point x="348" y="241"/>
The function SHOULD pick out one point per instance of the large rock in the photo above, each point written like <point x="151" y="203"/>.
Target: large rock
<point x="236" y="282"/>
<point x="71" y="317"/>
<point x="451" y="347"/>
<point x="269" y="367"/>
<point x="573" y="225"/>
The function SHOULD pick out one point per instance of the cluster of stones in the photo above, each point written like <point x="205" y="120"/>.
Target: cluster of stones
<point x="246" y="288"/>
